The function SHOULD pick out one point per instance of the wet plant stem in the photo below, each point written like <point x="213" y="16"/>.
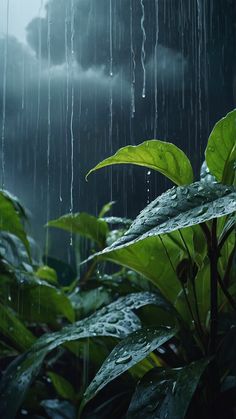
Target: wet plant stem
<point x="213" y="256"/>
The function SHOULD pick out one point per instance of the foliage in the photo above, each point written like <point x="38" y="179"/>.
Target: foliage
<point x="153" y="334"/>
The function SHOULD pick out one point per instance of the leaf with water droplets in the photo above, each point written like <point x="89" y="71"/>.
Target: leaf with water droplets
<point x="20" y="374"/>
<point x="128" y="353"/>
<point x="221" y="149"/>
<point x="166" y="393"/>
<point x="196" y="204"/>
<point x="162" y="156"/>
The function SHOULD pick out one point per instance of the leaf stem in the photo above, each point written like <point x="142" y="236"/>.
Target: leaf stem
<point x="213" y="256"/>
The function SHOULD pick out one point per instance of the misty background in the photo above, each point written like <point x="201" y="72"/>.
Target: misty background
<point x="81" y="78"/>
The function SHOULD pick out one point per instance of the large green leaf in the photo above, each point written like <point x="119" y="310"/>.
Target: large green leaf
<point x="221" y="149"/>
<point x="116" y="320"/>
<point x="126" y="354"/>
<point x="164" y="157"/>
<point x="178" y="208"/>
<point x="39" y="301"/>
<point x="149" y="258"/>
<point x="166" y="394"/>
<point x="84" y="224"/>
<point x="12" y="329"/>
<point x="10" y="220"/>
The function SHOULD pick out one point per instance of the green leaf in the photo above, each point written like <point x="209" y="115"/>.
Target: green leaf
<point x="149" y="258"/>
<point x="62" y="386"/>
<point x="47" y="273"/>
<point x="12" y="328"/>
<point x="105" y="209"/>
<point x="126" y="354"/>
<point x="166" y="393"/>
<point x="179" y="208"/>
<point x="164" y="157"/>
<point x="84" y="224"/>
<point x="116" y="320"/>
<point x="40" y="301"/>
<point x="10" y="220"/>
<point x="221" y="149"/>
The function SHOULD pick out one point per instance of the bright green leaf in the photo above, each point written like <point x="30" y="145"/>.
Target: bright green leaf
<point x="221" y="149"/>
<point x="47" y="273"/>
<point x="164" y="157"/>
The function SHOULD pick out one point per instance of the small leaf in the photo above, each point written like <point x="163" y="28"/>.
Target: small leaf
<point x="164" y="157"/>
<point x="105" y="209"/>
<point x="221" y="149"/>
<point x="10" y="220"/>
<point x="84" y="224"/>
<point x="179" y="208"/>
<point x="166" y="393"/>
<point x="47" y="273"/>
<point x="126" y="354"/>
<point x="62" y="386"/>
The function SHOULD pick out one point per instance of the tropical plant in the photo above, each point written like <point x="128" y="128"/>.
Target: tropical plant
<point x="171" y="306"/>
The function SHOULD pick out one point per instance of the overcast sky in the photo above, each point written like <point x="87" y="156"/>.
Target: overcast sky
<point x="21" y="12"/>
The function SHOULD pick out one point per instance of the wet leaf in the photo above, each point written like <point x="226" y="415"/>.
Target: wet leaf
<point x="58" y="409"/>
<point x="221" y="149"/>
<point x="162" y="156"/>
<point x="47" y="273"/>
<point x="149" y="258"/>
<point x="84" y="224"/>
<point x="126" y="354"/>
<point x="179" y="208"/>
<point x="40" y="301"/>
<point x="14" y="330"/>
<point x="166" y="394"/>
<point x="21" y="373"/>
<point x="10" y="220"/>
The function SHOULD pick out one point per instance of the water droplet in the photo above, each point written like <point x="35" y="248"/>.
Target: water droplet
<point x="110" y="329"/>
<point x="124" y="359"/>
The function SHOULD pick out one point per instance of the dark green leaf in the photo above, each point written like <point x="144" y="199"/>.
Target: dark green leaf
<point x="12" y="328"/>
<point x="221" y="149"/>
<point x="179" y="208"/>
<point x="10" y="220"/>
<point x="126" y="354"/>
<point x="21" y="373"/>
<point x="84" y="224"/>
<point x="166" y="394"/>
<point x="58" y="409"/>
<point x="164" y="157"/>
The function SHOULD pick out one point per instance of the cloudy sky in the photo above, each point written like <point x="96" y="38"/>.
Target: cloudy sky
<point x="62" y="111"/>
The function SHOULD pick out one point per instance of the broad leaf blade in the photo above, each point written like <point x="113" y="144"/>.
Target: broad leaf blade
<point x="166" y="394"/>
<point x="84" y="224"/>
<point x="12" y="329"/>
<point x="164" y="157"/>
<point x="10" y="220"/>
<point x="109" y="321"/>
<point x="221" y="149"/>
<point x="179" y="208"/>
<point x="126" y="354"/>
